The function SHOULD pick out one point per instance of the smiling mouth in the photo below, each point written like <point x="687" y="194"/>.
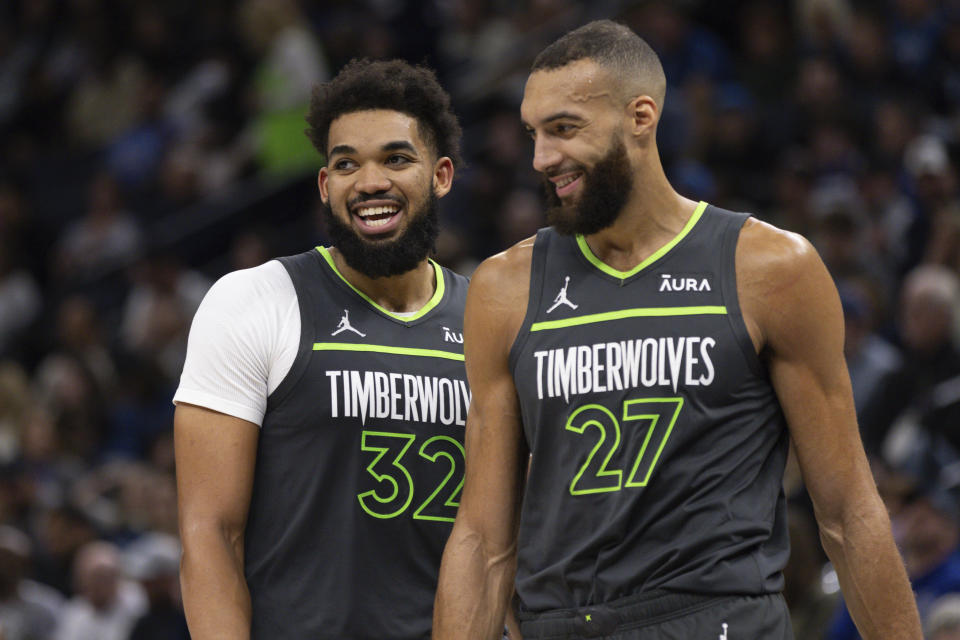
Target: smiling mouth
<point x="376" y="216"/>
<point x="565" y="185"/>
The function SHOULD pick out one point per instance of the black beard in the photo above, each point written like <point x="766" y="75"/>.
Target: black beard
<point x="383" y="259"/>
<point x="606" y="188"/>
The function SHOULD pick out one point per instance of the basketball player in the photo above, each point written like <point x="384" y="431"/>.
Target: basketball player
<point x="320" y="413"/>
<point x="656" y="356"/>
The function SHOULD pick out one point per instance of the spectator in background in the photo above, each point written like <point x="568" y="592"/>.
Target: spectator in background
<point x="107" y="605"/>
<point x="154" y="561"/>
<point x="82" y="336"/>
<point x="822" y="23"/>
<point x="915" y="31"/>
<point x="943" y="623"/>
<point x="28" y="610"/>
<point x="475" y="43"/>
<point x="16" y="402"/>
<point x="104" y="101"/>
<point x="106" y="237"/>
<point x="935" y="185"/>
<point x="20" y="298"/>
<point x="871" y="360"/>
<point x="21" y="233"/>
<point x="45" y="469"/>
<point x="765" y="64"/>
<point x="736" y="148"/>
<point x="291" y="62"/>
<point x="792" y="181"/>
<point x="159" y="308"/>
<point x="135" y="153"/>
<point x="946" y="89"/>
<point x="892" y="216"/>
<point x="76" y="379"/>
<point x="61" y="531"/>
<point x="926" y="323"/>
<point x="250" y="248"/>
<point x="865" y="59"/>
<point x="811" y="607"/>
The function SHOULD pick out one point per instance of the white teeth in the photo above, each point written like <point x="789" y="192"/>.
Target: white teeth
<point x="377" y="211"/>
<point x="377" y="223"/>
<point x="564" y="182"/>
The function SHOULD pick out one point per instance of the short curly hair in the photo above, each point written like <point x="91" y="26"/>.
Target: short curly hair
<point x="394" y="85"/>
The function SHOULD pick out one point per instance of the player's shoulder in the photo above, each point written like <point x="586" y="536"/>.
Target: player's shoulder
<point x="500" y="286"/>
<point x="259" y="278"/>
<point x="779" y="276"/>
<point x="510" y="267"/>
<point x="770" y="252"/>
<point x="253" y="286"/>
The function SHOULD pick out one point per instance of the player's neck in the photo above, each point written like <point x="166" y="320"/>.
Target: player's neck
<point x="403" y="293"/>
<point x="653" y="216"/>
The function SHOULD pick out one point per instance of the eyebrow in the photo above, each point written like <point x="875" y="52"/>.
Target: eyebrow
<point x="560" y="115"/>
<point x="400" y="145"/>
<point x="396" y="145"/>
<point x="342" y="149"/>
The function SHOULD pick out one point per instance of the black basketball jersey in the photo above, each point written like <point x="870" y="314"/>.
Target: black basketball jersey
<point x="658" y="445"/>
<point x="359" y="463"/>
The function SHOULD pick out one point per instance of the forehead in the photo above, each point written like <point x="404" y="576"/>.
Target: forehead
<point x="577" y="87"/>
<point x="370" y="130"/>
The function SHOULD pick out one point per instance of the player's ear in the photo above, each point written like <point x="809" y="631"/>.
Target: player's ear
<point x="322" y="184"/>
<point x="643" y="113"/>
<point x="442" y="176"/>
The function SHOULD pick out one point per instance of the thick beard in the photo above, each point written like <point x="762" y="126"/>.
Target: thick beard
<point x="389" y="258"/>
<point x="606" y="188"/>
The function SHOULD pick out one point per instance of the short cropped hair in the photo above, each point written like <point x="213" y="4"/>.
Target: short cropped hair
<point x="614" y="47"/>
<point x="393" y="85"/>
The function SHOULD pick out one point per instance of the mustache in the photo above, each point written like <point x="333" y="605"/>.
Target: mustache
<point x="552" y="173"/>
<point x="366" y="197"/>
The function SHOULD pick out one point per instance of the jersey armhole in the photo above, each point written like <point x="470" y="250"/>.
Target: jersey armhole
<point x="731" y="237"/>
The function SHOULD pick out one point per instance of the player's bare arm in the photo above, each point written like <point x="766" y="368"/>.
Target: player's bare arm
<point x="479" y="562"/>
<point x="793" y="313"/>
<point x="215" y="455"/>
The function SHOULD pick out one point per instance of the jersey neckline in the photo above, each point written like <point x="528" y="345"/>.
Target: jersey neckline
<point x="655" y="256"/>
<point x="404" y="318"/>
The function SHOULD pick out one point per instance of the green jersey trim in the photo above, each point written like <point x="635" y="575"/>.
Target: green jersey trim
<point x="645" y="312"/>
<point x="383" y="348"/>
<point x="434" y="301"/>
<point x="659" y="253"/>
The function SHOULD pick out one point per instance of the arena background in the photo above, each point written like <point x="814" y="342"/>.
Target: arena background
<point x="147" y="147"/>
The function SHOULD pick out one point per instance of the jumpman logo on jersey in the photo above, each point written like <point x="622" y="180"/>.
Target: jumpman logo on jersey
<point x="562" y="297"/>
<point x="345" y="325"/>
<point x="723" y="636"/>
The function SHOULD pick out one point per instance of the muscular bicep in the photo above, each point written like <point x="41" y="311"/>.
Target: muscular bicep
<point x="495" y="447"/>
<point x="797" y="309"/>
<point x="215" y="456"/>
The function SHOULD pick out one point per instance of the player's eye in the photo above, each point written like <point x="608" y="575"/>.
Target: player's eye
<point x="397" y="159"/>
<point x="343" y="164"/>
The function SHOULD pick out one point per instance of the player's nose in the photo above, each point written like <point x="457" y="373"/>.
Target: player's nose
<point x="545" y="155"/>
<point x="371" y="178"/>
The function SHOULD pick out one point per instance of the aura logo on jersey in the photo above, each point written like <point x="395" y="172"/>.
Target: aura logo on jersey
<point x="609" y="366"/>
<point x="683" y="283"/>
<point x="398" y="396"/>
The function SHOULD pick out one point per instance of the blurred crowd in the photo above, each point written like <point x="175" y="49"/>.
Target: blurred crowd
<point x="143" y="144"/>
